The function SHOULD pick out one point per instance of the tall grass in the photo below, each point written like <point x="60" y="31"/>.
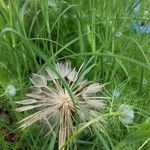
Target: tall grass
<point x="35" y="32"/>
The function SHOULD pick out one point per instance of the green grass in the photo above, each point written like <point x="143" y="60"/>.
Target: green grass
<point x="32" y="33"/>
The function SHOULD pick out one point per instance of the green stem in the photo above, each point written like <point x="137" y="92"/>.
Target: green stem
<point x="2" y="95"/>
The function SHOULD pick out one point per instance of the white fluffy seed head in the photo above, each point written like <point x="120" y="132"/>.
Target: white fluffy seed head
<point x="116" y="93"/>
<point x="118" y="34"/>
<point x="51" y="100"/>
<point x="11" y="90"/>
<point x="127" y="114"/>
<point x="38" y="80"/>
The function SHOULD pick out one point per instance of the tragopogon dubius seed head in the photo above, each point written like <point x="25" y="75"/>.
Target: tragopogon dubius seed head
<point x="52" y="101"/>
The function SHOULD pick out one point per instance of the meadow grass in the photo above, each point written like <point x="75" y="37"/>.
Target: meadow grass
<point x="99" y="33"/>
